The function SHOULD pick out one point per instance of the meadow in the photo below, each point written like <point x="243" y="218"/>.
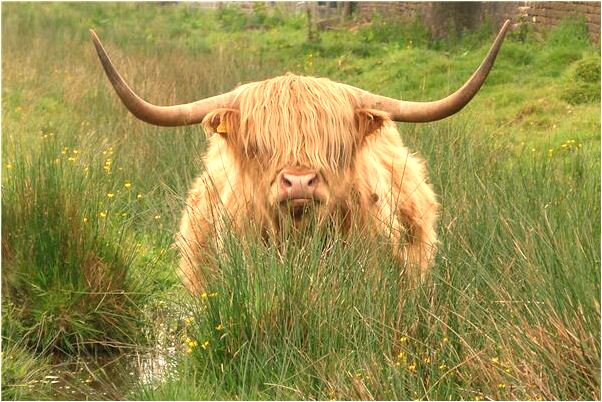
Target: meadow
<point x="91" y="198"/>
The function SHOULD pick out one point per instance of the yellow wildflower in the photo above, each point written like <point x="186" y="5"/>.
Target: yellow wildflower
<point x="103" y="214"/>
<point x="157" y="217"/>
<point x="427" y="360"/>
<point x="85" y="220"/>
<point x="110" y="195"/>
<point x="403" y="339"/>
<point x="9" y="165"/>
<point x="127" y="184"/>
<point x="205" y="344"/>
<point x="501" y="385"/>
<point x="495" y="360"/>
<point x="412" y="366"/>
<point x="219" y="327"/>
<point x="188" y="320"/>
<point x="442" y="366"/>
<point x="204" y="295"/>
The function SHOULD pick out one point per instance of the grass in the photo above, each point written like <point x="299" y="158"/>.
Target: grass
<point x="92" y="198"/>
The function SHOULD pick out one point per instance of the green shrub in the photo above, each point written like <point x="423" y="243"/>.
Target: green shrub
<point x="577" y="93"/>
<point x="588" y="70"/>
<point x="583" y="82"/>
<point x="64" y="261"/>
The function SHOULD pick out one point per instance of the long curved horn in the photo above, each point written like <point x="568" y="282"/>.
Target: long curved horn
<point x="178" y="115"/>
<point x="422" y="112"/>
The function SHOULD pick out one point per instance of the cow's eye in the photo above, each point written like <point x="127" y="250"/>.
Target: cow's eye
<point x="251" y="151"/>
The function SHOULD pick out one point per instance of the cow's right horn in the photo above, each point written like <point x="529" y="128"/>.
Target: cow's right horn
<point x="422" y="112"/>
<point x="178" y="115"/>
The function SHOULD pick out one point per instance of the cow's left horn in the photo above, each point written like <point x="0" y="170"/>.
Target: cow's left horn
<point x="178" y="115"/>
<point x="422" y="112"/>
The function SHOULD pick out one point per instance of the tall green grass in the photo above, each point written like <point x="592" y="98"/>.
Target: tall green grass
<point x="511" y="310"/>
<point x="92" y="198"/>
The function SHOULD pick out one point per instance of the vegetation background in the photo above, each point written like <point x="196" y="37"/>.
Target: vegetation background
<point x="91" y="197"/>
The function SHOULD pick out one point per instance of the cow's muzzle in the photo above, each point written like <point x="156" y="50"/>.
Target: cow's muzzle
<point x="298" y="189"/>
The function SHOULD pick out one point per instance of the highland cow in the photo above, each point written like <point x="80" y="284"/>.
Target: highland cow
<point x="292" y="144"/>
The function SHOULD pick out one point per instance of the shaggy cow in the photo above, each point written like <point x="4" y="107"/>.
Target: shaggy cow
<point x="291" y="144"/>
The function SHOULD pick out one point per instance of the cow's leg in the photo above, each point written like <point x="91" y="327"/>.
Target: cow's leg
<point x="191" y="243"/>
<point x="198" y="235"/>
<point x="417" y="210"/>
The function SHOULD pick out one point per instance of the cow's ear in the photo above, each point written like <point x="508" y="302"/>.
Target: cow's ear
<point x="370" y="121"/>
<point x="221" y="121"/>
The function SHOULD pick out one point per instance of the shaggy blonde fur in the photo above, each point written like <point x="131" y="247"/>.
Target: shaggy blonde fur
<point x="303" y="121"/>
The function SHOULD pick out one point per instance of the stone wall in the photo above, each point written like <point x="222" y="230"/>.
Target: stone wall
<point x="550" y="13"/>
<point x="445" y="17"/>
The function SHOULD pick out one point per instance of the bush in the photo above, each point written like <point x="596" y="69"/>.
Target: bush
<point x="583" y="82"/>
<point x="64" y="261"/>
<point x="588" y="70"/>
<point x="581" y="92"/>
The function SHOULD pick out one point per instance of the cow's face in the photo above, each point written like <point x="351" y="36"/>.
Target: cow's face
<point x="296" y="140"/>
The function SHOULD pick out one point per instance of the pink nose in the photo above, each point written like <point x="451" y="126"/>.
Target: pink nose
<point x="298" y="184"/>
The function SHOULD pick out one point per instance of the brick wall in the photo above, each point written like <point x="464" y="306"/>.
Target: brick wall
<point x="444" y="17"/>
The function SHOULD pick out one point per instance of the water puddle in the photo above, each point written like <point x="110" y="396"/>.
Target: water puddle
<point x="109" y="377"/>
<point x="115" y="376"/>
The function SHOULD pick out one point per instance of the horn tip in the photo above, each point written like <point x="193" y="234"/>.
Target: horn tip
<point x="93" y="34"/>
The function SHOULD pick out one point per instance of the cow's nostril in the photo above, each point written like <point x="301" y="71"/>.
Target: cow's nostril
<point x="286" y="183"/>
<point x="313" y="181"/>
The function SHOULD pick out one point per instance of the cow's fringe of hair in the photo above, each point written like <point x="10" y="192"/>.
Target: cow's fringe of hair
<point x="304" y="121"/>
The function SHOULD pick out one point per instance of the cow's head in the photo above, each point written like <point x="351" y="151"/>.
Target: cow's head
<point x="296" y="137"/>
